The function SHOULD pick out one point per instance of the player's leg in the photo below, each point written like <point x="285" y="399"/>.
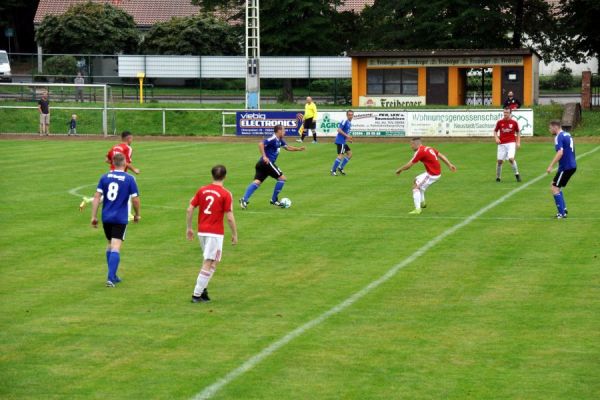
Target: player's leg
<point x="260" y="175"/>
<point x="416" y="191"/>
<point x="346" y="160"/>
<point x="314" y="131"/>
<point x="555" y="186"/>
<point x="47" y="124"/>
<point x="511" y="151"/>
<point x="341" y="149"/>
<point x="277" y="189"/>
<point x="115" y="233"/>
<point x="212" y="249"/>
<point x="501" y="156"/>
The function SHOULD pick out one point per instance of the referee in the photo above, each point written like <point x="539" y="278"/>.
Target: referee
<point x="310" y="120"/>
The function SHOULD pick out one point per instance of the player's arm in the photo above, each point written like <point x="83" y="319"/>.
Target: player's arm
<point x="131" y="167"/>
<point x="557" y="157"/>
<point x="518" y="136"/>
<point x="135" y="202"/>
<point x="189" y="219"/>
<point x="294" y="148"/>
<point x="405" y="167"/>
<point x="95" y="205"/>
<point x="232" y="226"/>
<point x="261" y="148"/>
<point x="447" y="162"/>
<point x="496" y="137"/>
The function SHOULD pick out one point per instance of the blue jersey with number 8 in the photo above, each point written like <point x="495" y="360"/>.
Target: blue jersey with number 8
<point x="116" y="187"/>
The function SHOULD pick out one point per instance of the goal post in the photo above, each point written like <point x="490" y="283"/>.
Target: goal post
<point x="62" y="96"/>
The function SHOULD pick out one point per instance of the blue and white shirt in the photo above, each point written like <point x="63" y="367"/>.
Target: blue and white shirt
<point x="116" y="187"/>
<point x="346" y="126"/>
<point x="563" y="141"/>
<point x="272" y="147"/>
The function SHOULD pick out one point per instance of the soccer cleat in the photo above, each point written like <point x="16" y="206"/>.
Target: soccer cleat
<point x="204" y="295"/>
<point x="423" y="205"/>
<point x="518" y="177"/>
<point x="566" y="212"/>
<point x="497" y="179"/>
<point x="198" y="299"/>
<point x="416" y="211"/>
<point x="333" y="173"/>
<point x="341" y="170"/>
<point x="276" y="203"/>
<point x="314" y="142"/>
<point x="116" y="280"/>
<point x="110" y="284"/>
<point x="243" y="204"/>
<point x="299" y="140"/>
<point x="84" y="202"/>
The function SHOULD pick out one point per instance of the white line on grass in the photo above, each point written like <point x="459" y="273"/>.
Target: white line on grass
<point x="212" y="389"/>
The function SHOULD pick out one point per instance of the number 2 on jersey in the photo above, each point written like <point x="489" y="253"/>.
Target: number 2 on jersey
<point x="211" y="201"/>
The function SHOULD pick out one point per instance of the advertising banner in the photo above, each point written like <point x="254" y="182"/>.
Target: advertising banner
<point x="261" y="123"/>
<point x="446" y="123"/>
<point x="391" y="101"/>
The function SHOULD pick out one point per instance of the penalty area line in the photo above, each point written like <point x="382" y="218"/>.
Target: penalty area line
<point x="212" y="389"/>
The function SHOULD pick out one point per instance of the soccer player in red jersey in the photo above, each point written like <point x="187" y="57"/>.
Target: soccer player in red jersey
<point x="214" y="203"/>
<point x="124" y="148"/>
<point x="508" y="138"/>
<point x="433" y="171"/>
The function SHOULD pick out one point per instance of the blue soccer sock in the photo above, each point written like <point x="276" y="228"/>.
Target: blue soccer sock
<point x="107" y="256"/>
<point x="563" y="204"/>
<point x="277" y="190"/>
<point x="113" y="265"/>
<point x="336" y="164"/>
<point x="344" y="162"/>
<point x="559" y="203"/>
<point x="250" y="190"/>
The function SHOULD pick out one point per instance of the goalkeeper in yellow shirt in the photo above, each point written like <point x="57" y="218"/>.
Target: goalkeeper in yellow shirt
<point x="310" y="120"/>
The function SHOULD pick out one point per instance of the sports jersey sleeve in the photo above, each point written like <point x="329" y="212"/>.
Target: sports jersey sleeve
<point x="100" y="187"/>
<point x="517" y="129"/>
<point x="227" y="202"/>
<point x="558" y="143"/>
<point x="133" y="188"/>
<point x="195" y="201"/>
<point x="497" y="128"/>
<point x="417" y="157"/>
<point x="283" y="143"/>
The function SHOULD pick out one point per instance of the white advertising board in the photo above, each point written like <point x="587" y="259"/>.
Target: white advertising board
<point x="441" y="123"/>
<point x="391" y="101"/>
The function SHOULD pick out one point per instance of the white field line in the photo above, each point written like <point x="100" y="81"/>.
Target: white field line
<point x="250" y="363"/>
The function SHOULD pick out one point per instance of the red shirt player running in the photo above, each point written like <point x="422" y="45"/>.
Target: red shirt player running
<point x="124" y="148"/>
<point x="433" y="171"/>
<point x="214" y="203"/>
<point x="508" y="138"/>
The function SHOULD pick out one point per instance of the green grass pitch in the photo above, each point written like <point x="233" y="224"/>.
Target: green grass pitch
<point x="507" y="307"/>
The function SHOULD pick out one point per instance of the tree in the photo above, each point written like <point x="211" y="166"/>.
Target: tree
<point x="455" y="24"/>
<point x="199" y="35"/>
<point x="579" y="28"/>
<point x="89" y="28"/>
<point x="290" y="27"/>
<point x="18" y="15"/>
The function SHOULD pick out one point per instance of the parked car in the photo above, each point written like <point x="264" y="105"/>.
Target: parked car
<point x="5" y="73"/>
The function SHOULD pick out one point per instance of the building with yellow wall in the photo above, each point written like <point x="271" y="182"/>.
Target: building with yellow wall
<point x="394" y="78"/>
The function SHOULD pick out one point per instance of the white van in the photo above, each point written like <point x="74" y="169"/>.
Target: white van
<point x="5" y="74"/>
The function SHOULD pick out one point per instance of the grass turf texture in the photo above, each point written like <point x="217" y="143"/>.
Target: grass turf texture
<point x="197" y="123"/>
<point x="507" y="307"/>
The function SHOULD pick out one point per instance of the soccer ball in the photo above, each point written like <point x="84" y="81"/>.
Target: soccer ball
<point x="285" y="202"/>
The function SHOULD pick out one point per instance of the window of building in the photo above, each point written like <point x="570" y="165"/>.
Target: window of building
<point x="392" y="81"/>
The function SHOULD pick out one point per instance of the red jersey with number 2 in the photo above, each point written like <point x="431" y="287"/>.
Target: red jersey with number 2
<point x="213" y="201"/>
<point x="508" y="130"/>
<point x="429" y="157"/>
<point x="122" y="148"/>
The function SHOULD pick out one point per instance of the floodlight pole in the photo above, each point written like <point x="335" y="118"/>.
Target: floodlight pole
<point x="252" y="55"/>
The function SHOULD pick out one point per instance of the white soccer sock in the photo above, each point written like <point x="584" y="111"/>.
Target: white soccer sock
<point x="202" y="281"/>
<point x="515" y="167"/>
<point x="422" y="196"/>
<point x="417" y="198"/>
<point x="498" y="170"/>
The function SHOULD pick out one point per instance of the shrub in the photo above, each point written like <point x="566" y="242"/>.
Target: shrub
<point x="63" y="67"/>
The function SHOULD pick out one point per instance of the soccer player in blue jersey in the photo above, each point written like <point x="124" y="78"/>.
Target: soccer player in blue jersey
<point x="117" y="187"/>
<point x="344" y="154"/>
<point x="567" y="165"/>
<point x="265" y="167"/>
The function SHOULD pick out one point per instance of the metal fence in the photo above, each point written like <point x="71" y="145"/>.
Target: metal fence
<point x="193" y="79"/>
<point x="595" y="98"/>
